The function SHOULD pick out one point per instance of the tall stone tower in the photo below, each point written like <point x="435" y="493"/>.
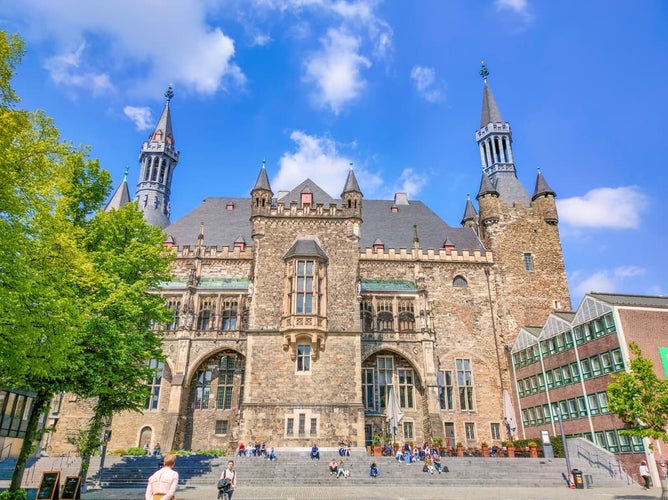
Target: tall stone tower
<point x="158" y="159"/>
<point x="521" y="230"/>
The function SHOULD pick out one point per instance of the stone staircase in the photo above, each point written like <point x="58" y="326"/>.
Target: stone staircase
<point x="294" y="467"/>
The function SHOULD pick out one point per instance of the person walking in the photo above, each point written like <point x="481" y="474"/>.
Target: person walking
<point x="644" y="473"/>
<point x="162" y="484"/>
<point x="230" y="474"/>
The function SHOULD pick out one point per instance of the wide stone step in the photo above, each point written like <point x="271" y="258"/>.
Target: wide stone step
<point x="295" y="466"/>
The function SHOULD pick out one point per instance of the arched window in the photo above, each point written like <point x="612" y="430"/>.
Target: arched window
<point x="145" y="437"/>
<point x="175" y="306"/>
<point x="205" y="317"/>
<point x="460" y="281"/>
<point x="366" y="316"/>
<point x="385" y="316"/>
<point x="406" y="316"/>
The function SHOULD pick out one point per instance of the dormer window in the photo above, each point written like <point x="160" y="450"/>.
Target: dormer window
<point x="306" y="199"/>
<point x="448" y="246"/>
<point x="378" y="246"/>
<point x="240" y="243"/>
<point x="229" y="206"/>
<point x="394" y="209"/>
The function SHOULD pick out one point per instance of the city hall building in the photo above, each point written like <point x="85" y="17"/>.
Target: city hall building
<point x="297" y="313"/>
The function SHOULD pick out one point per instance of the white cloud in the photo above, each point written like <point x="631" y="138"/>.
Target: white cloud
<point x="426" y="83"/>
<point x="316" y="156"/>
<point x="136" y="39"/>
<point x="319" y="159"/>
<point x="411" y="182"/>
<point x="65" y="69"/>
<point x="336" y="70"/>
<point x="605" y="281"/>
<point x="140" y="116"/>
<point x="517" y="7"/>
<point x="613" y="208"/>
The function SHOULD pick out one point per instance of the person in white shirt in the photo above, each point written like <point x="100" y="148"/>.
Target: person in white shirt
<point x="162" y="485"/>
<point x="231" y="474"/>
<point x="644" y="473"/>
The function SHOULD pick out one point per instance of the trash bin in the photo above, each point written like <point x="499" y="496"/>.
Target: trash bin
<point x="577" y="479"/>
<point x="589" y="480"/>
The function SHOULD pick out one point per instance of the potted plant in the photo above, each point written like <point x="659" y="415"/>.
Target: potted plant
<point x="484" y="448"/>
<point x="533" y="449"/>
<point x="437" y="443"/>
<point x="377" y="446"/>
<point x="460" y="449"/>
<point x="510" y="448"/>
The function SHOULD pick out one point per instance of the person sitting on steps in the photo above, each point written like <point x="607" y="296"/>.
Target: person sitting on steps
<point x="333" y="467"/>
<point x="373" y="470"/>
<point x="315" y="452"/>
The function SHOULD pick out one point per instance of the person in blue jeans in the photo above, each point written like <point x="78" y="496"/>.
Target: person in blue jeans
<point x="373" y="470"/>
<point x="407" y="453"/>
<point x="315" y="452"/>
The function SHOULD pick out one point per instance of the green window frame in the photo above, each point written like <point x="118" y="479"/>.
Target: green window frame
<point x="585" y="368"/>
<point x="617" y="360"/>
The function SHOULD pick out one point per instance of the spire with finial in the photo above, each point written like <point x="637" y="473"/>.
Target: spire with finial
<point x="484" y="72"/>
<point x="169" y="93"/>
<point x="125" y="174"/>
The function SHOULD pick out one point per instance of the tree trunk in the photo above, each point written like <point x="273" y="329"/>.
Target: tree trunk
<point x="91" y="441"/>
<point x="41" y="402"/>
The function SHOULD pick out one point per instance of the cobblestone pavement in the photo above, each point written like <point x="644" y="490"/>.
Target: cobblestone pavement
<point x="394" y="493"/>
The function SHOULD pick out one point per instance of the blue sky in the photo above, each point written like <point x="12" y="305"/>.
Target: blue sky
<point x="392" y="86"/>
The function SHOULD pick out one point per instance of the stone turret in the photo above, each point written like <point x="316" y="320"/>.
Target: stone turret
<point x="261" y="194"/>
<point x="544" y="200"/>
<point x="351" y="197"/>
<point x="158" y="159"/>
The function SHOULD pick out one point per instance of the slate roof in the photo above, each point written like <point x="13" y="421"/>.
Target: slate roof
<point x="615" y="299"/>
<point x="222" y="226"/>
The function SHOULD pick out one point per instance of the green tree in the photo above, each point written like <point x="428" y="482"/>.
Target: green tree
<point x="42" y="265"/>
<point x="640" y="398"/>
<point x="129" y="260"/>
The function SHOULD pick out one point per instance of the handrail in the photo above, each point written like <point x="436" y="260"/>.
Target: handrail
<point x="615" y="472"/>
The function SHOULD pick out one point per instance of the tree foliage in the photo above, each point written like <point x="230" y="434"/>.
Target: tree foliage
<point x="75" y="301"/>
<point x="640" y="398"/>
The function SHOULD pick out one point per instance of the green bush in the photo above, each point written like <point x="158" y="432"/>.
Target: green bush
<point x="213" y="452"/>
<point x="136" y="451"/>
<point x="14" y="495"/>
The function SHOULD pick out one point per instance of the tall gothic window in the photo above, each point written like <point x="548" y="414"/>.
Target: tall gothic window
<point x="406" y="316"/>
<point x="154" y="384"/>
<point x="369" y="388"/>
<point x="366" y="315"/>
<point x="226" y="368"/>
<point x="304" y="287"/>
<point x="205" y="317"/>
<point x="175" y="306"/>
<point x="202" y="389"/>
<point x="465" y="384"/>
<point x="385" y="316"/>
<point x="303" y="357"/>
<point x="445" y="390"/>
<point x="385" y="366"/>
<point x="405" y="387"/>
<point x="230" y="307"/>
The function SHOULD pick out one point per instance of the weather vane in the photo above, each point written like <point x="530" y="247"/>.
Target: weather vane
<point x="170" y="93"/>
<point x="484" y="72"/>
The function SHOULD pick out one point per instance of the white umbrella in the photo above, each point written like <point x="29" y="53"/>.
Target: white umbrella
<point x="509" y="414"/>
<point x="393" y="413"/>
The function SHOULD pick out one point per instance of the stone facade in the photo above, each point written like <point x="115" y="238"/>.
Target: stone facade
<point x="297" y="316"/>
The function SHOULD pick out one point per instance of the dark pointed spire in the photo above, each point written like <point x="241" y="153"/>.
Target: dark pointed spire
<point x="351" y="182"/>
<point x="490" y="112"/>
<point x="542" y="187"/>
<point x="163" y="130"/>
<point x="486" y="187"/>
<point x="262" y="181"/>
<point x="121" y="196"/>
<point x="469" y="212"/>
